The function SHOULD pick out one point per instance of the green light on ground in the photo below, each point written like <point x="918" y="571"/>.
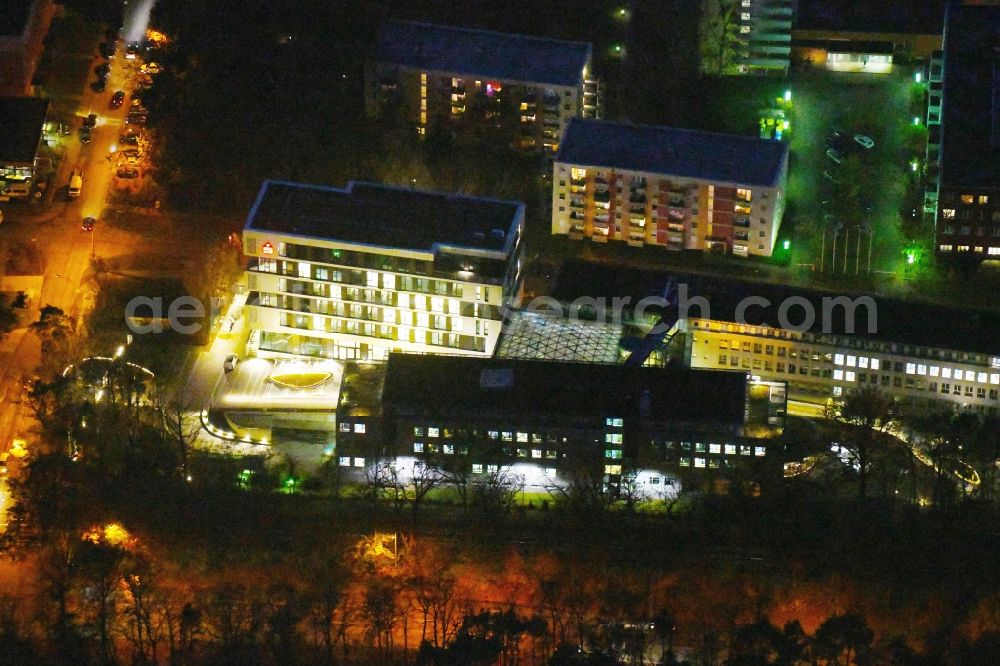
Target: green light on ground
<point x="622" y="12"/>
<point x="912" y="256"/>
<point x="918" y="77"/>
<point x="618" y="48"/>
<point x="290" y="485"/>
<point x="787" y="245"/>
<point x="788" y="95"/>
<point x="916" y="120"/>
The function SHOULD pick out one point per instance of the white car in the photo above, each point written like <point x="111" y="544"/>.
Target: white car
<point x="864" y="141"/>
<point x="230" y="363"/>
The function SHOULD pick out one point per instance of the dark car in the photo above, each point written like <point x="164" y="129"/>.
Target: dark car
<point x="136" y="119"/>
<point x="107" y="50"/>
<point x="127" y="172"/>
<point x="99" y="86"/>
<point x="129" y="139"/>
<point x="85" y="134"/>
<point x="117" y="99"/>
<point x="103" y="69"/>
<point x="88" y="224"/>
<point x="90" y="121"/>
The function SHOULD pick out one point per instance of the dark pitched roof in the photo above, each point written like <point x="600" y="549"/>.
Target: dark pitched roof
<point x="483" y="53"/>
<point x="385" y="216"/>
<point x="902" y="322"/>
<point x="21" y="121"/>
<point x="725" y="158"/>
<point x="454" y="385"/>
<point x="970" y="126"/>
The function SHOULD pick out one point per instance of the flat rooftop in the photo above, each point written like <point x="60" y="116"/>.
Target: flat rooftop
<point x="846" y="45"/>
<point x="902" y="322"/>
<point x="483" y="53"/>
<point x="489" y="387"/>
<point x="21" y="121"/>
<point x="970" y="127"/>
<point x="14" y="17"/>
<point x="723" y="158"/>
<point x="385" y="216"/>
<point x="255" y="384"/>
<point x="884" y="16"/>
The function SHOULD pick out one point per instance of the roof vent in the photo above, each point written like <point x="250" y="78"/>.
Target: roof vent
<point x="496" y="378"/>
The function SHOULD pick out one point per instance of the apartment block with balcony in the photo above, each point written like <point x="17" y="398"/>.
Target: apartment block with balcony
<point x="357" y="273"/>
<point x="670" y="188"/>
<point x="764" y="34"/>
<point x="968" y="194"/>
<point x="436" y="73"/>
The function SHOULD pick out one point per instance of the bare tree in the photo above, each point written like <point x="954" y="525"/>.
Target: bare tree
<point x="863" y="421"/>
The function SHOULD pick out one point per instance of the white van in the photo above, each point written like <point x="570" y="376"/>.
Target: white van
<point x="75" y="184"/>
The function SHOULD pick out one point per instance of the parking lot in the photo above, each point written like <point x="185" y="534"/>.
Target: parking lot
<point x="845" y="194"/>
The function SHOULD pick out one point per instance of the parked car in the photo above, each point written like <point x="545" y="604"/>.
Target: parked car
<point x="103" y="70"/>
<point x="127" y="172"/>
<point x="230" y="363"/>
<point x="100" y="85"/>
<point x="129" y="139"/>
<point x="90" y="121"/>
<point x="85" y="134"/>
<point x="864" y="141"/>
<point x="138" y="119"/>
<point x="835" y="155"/>
<point x="88" y="224"/>
<point x="106" y="49"/>
<point x="117" y="99"/>
<point x="75" y="184"/>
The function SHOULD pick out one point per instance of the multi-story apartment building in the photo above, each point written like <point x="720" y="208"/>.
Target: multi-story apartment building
<point x="436" y="73"/>
<point x="764" y="35"/>
<point x="968" y="202"/>
<point x="551" y="421"/>
<point x="671" y="188"/>
<point x="929" y="357"/>
<point x="358" y="272"/>
<point x="23" y="26"/>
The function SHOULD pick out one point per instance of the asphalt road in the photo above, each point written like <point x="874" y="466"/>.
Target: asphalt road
<point x="53" y="234"/>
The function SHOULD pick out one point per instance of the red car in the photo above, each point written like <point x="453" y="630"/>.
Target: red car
<point x="117" y="99"/>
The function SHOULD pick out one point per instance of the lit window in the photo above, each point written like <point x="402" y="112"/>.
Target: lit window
<point x="449" y="449"/>
<point x="745" y="16"/>
<point x="875" y="364"/>
<point x="994" y="378"/>
<point x="345" y="461"/>
<point x="613" y="470"/>
<point x="730" y="449"/>
<point x="946" y="373"/>
<point x="935" y="371"/>
<point x="838" y="359"/>
<point x="981" y="377"/>
<point x="345" y="427"/>
<point x="850" y="376"/>
<point x="433" y="432"/>
<point x="418" y="447"/>
<point x="948" y="213"/>
<point x="507" y="436"/>
<point x="863" y="362"/>
<point x="613" y="438"/>
<point x="493" y="434"/>
<point x="685" y="462"/>
<point x="744" y="29"/>
<point x="759" y="451"/>
<point x="852" y="361"/>
<point x="911" y="368"/>
<point x="983" y="199"/>
<point x="522" y="437"/>
<point x="838" y="375"/>
<point x="967" y="198"/>
<point x="699" y="462"/>
<point x="359" y="428"/>
<point x="477" y="468"/>
<point x="921" y="369"/>
<point x="614" y="454"/>
<point x="715" y="448"/>
<point x="536" y="453"/>
<point x="359" y="462"/>
<point x="970" y="376"/>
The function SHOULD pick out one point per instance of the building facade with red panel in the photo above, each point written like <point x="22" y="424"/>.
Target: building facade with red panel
<point x="669" y="188"/>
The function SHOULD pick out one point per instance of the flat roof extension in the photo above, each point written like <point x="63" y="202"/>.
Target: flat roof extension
<point x="488" y="387"/>
<point x="490" y="55"/>
<point x="721" y="158"/>
<point x="385" y="216"/>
